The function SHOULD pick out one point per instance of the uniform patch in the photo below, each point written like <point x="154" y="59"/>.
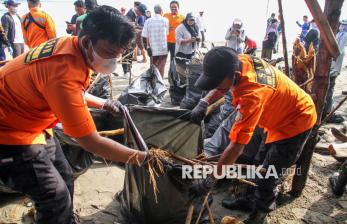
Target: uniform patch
<point x="238" y="116"/>
<point x="266" y="74"/>
<point x="42" y="51"/>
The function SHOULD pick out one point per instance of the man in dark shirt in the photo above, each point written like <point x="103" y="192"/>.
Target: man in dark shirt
<point x="312" y="37"/>
<point x="131" y="14"/>
<point x="80" y="9"/>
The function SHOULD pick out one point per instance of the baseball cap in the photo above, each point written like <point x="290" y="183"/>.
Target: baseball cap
<point x="218" y="63"/>
<point x="12" y="3"/>
<point x="190" y="16"/>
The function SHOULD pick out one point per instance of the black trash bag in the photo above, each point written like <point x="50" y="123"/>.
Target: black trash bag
<point x="220" y="140"/>
<point x="79" y="159"/>
<point x="193" y="94"/>
<point x="168" y="129"/>
<point x="102" y="87"/>
<point x="219" y="115"/>
<point x="177" y="79"/>
<point x="147" y="90"/>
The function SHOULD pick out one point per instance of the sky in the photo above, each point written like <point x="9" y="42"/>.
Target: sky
<point x="219" y="14"/>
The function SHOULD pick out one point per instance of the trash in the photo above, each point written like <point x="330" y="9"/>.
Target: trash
<point x="193" y="94"/>
<point x="177" y="78"/>
<point x="79" y="159"/>
<point x="170" y="130"/>
<point x="101" y="87"/>
<point x="229" y="220"/>
<point x="146" y="90"/>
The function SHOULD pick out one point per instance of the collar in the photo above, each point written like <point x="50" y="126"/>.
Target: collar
<point x="35" y="9"/>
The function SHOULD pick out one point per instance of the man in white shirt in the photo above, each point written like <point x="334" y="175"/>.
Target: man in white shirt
<point x="200" y="21"/>
<point x="11" y="23"/>
<point x="155" y="33"/>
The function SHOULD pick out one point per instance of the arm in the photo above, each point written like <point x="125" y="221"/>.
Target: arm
<point x="110" y="149"/>
<point x="297" y="22"/>
<point x="5" y="25"/>
<point x="50" y="28"/>
<point x="229" y="156"/>
<point x="180" y="35"/>
<point x="93" y="101"/>
<point x="228" y="34"/>
<point x="213" y="96"/>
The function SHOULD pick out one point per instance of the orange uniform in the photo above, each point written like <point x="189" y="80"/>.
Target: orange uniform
<point x="266" y="97"/>
<point x="38" y="27"/>
<point x="41" y="86"/>
<point x="174" y="21"/>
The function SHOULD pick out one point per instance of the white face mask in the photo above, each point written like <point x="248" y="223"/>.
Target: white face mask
<point x="100" y="64"/>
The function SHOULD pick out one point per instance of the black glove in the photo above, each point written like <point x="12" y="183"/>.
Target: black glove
<point x="112" y="106"/>
<point x="201" y="187"/>
<point x="199" y="112"/>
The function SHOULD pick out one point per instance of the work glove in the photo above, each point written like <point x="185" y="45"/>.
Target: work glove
<point x="199" y="112"/>
<point x="112" y="106"/>
<point x="201" y="187"/>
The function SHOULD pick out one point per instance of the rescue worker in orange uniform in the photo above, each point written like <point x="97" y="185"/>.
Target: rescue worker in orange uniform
<point x="46" y="85"/>
<point x="37" y="25"/>
<point x="263" y="96"/>
<point x="175" y="19"/>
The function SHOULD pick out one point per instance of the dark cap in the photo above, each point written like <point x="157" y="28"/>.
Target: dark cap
<point x="11" y="3"/>
<point x="218" y="64"/>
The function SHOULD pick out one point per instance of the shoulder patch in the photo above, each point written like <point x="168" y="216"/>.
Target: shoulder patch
<point x="42" y="51"/>
<point x="265" y="73"/>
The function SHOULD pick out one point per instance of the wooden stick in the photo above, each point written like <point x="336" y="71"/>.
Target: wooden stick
<point x="91" y="86"/>
<point x="326" y="32"/>
<point x="333" y="111"/>
<point x="182" y="159"/>
<point x="284" y="39"/>
<point x="215" y="105"/>
<point x="190" y="214"/>
<point x="210" y="215"/>
<point x="112" y="133"/>
<point x="202" y="208"/>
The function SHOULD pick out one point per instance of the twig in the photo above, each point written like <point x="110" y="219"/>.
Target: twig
<point x="333" y="111"/>
<point x="202" y="208"/>
<point x="210" y="215"/>
<point x="119" y="131"/>
<point x="91" y="86"/>
<point x="182" y="159"/>
<point x="190" y="214"/>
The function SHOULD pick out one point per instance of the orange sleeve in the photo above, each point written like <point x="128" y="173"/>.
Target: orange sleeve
<point x="64" y="95"/>
<point x="50" y="28"/>
<point x="25" y="35"/>
<point x="249" y="108"/>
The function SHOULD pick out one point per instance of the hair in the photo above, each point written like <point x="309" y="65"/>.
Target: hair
<point x="34" y="2"/>
<point x="79" y="3"/>
<point x="175" y="2"/>
<point x="91" y="5"/>
<point x="106" y="22"/>
<point x="137" y="3"/>
<point x="305" y="16"/>
<point x="273" y="14"/>
<point x="158" y="9"/>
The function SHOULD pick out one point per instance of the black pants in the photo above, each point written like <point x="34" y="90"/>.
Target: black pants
<point x="43" y="173"/>
<point x="172" y="48"/>
<point x="18" y="49"/>
<point x="281" y="155"/>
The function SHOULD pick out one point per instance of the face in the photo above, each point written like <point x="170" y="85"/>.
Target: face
<point x="237" y="26"/>
<point x="123" y="11"/>
<point x="305" y="19"/>
<point x="101" y="56"/>
<point x="148" y="14"/>
<point x="174" y="8"/>
<point x="80" y="10"/>
<point x="191" y="22"/>
<point x="201" y="13"/>
<point x="12" y="8"/>
<point x="138" y="12"/>
<point x="225" y="85"/>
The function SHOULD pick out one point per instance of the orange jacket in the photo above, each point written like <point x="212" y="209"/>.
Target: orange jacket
<point x="267" y="97"/>
<point x="174" y="21"/>
<point x="38" y="30"/>
<point x="42" y="86"/>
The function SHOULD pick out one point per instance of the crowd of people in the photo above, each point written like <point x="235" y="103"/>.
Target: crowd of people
<point x="47" y="84"/>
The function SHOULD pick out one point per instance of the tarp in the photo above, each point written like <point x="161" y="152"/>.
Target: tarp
<point x="146" y="90"/>
<point x="168" y="129"/>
